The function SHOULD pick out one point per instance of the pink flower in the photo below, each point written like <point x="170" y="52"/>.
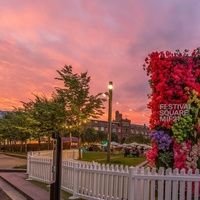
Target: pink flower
<point x="181" y="152"/>
<point x="152" y="154"/>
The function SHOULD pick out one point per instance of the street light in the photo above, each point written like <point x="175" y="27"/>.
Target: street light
<point x="55" y="186"/>
<point x="110" y="87"/>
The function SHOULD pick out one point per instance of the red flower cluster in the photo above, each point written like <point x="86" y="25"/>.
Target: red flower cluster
<point x="180" y="154"/>
<point x="152" y="154"/>
<point x="170" y="73"/>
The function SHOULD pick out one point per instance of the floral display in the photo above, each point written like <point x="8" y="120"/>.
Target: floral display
<point x="162" y="140"/>
<point x="175" y="108"/>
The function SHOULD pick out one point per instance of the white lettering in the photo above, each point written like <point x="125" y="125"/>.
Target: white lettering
<point x="173" y="111"/>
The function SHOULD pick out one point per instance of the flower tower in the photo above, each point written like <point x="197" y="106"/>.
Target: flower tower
<point x="174" y="103"/>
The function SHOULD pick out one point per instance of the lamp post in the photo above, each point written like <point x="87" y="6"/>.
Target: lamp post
<point x="110" y="87"/>
<point x="56" y="168"/>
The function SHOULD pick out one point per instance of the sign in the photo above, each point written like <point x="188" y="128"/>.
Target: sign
<point x="173" y="112"/>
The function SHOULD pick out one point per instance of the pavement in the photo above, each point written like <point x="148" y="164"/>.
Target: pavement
<point x="8" y="192"/>
<point x="20" y="188"/>
<point x="14" y="183"/>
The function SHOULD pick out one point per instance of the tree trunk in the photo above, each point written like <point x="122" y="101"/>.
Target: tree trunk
<point x="79" y="145"/>
<point x="48" y="147"/>
<point x="39" y="143"/>
<point x="10" y="146"/>
<point x="25" y="146"/>
<point x="21" y="147"/>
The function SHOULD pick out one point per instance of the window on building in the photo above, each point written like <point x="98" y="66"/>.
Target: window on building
<point x="132" y="131"/>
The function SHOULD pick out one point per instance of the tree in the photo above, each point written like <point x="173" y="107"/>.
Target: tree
<point x="80" y="105"/>
<point x="14" y="126"/>
<point x="48" y="115"/>
<point x="89" y="135"/>
<point x="139" y="138"/>
<point x="101" y="136"/>
<point x="114" y="137"/>
<point x="21" y="126"/>
<point x="6" y="127"/>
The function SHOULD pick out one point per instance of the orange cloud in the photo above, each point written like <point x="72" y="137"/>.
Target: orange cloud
<point x="110" y="40"/>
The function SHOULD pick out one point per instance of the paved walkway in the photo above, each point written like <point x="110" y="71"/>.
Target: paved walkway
<point x="10" y="192"/>
<point x="9" y="162"/>
<point x="14" y="183"/>
<point x="18" y="182"/>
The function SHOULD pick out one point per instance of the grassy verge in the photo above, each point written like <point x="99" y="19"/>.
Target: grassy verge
<point x="100" y="157"/>
<point x="64" y="195"/>
<point x="21" y="167"/>
<point x="16" y="154"/>
<point x="116" y="159"/>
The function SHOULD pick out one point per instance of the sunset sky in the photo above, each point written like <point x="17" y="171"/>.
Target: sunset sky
<point x="109" y="39"/>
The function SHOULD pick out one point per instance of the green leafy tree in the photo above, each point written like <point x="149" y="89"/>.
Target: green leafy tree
<point x="101" y="136"/>
<point x="80" y="105"/>
<point x="48" y="115"/>
<point x="89" y="135"/>
<point x="139" y="138"/>
<point x="114" y="137"/>
<point x="20" y="127"/>
<point x="6" y="127"/>
<point x="14" y="126"/>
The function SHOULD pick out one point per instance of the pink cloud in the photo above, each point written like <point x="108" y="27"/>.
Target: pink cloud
<point x="110" y="40"/>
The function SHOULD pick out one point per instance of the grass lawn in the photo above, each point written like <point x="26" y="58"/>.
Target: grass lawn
<point x="116" y="159"/>
<point x="64" y="195"/>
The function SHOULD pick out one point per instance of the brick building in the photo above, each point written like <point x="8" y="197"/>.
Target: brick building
<point x="121" y="127"/>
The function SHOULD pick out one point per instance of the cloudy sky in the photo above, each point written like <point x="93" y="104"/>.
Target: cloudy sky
<point x="108" y="38"/>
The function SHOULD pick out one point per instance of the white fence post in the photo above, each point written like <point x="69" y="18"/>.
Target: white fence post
<point x="196" y="190"/>
<point x="51" y="171"/>
<point x="75" y="181"/>
<point x="175" y="185"/>
<point x="146" y="184"/>
<point x="27" y="162"/>
<point x="29" y="168"/>
<point x="131" y="188"/>
<point x="168" y="186"/>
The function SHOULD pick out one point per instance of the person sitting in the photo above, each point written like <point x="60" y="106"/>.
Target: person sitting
<point x="135" y="153"/>
<point x="127" y="152"/>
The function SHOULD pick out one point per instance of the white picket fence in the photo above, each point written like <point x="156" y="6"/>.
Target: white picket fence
<point x="40" y="168"/>
<point x="66" y="155"/>
<point x="93" y="181"/>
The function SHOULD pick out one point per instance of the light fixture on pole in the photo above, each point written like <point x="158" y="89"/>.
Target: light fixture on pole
<point x="110" y="87"/>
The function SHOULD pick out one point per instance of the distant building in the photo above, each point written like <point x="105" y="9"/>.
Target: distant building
<point x="121" y="127"/>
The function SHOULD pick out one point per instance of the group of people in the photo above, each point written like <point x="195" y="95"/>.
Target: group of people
<point x="134" y="152"/>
